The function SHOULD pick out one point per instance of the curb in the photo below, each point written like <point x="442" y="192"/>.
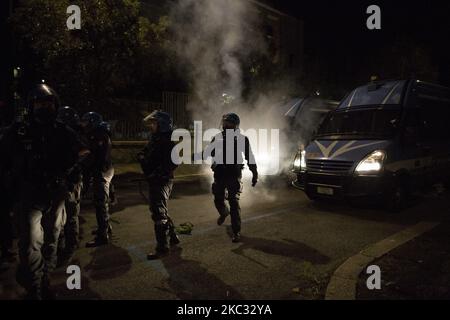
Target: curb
<point x="342" y="285"/>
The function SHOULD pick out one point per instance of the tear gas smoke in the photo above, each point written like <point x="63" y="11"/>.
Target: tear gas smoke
<point x="212" y="38"/>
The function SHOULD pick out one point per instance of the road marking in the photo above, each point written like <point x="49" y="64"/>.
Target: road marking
<point x="342" y="285"/>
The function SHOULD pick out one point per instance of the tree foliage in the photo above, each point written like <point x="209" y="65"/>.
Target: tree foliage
<point x="109" y="56"/>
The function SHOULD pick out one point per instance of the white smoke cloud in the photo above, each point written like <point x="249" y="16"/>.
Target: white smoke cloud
<point x="212" y="39"/>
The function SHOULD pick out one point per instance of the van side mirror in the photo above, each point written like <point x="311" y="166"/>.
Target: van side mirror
<point x="394" y="123"/>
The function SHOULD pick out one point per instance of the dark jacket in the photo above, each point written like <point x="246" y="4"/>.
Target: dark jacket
<point x="39" y="156"/>
<point x="100" y="146"/>
<point x="155" y="158"/>
<point x="219" y="149"/>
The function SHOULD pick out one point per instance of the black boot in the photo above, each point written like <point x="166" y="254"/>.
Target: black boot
<point x="174" y="240"/>
<point x="99" y="240"/>
<point x="94" y="232"/>
<point x="34" y="293"/>
<point x="221" y="219"/>
<point x="162" y="247"/>
<point x="47" y="292"/>
<point x="223" y="210"/>
<point x="158" y="254"/>
<point x="236" y="237"/>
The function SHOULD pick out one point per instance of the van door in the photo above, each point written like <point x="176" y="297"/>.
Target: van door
<point x="415" y="148"/>
<point x="435" y="131"/>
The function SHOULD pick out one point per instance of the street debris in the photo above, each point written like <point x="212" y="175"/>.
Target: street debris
<point x="185" y="228"/>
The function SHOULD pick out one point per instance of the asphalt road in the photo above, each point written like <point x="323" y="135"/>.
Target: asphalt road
<point x="290" y="246"/>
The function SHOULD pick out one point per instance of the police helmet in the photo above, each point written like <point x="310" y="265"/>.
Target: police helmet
<point x="68" y="116"/>
<point x="232" y="118"/>
<point x="105" y="126"/>
<point x="43" y="92"/>
<point x="163" y="119"/>
<point x="91" y="121"/>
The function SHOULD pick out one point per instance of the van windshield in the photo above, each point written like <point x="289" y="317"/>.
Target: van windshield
<point x="387" y="93"/>
<point x="363" y="122"/>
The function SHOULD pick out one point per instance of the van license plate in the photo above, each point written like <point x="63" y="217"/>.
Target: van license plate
<point x="326" y="191"/>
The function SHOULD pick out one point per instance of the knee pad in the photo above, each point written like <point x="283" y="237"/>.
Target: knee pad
<point x="162" y="223"/>
<point x="160" y="218"/>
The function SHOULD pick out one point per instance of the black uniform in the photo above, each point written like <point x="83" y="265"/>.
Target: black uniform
<point x="159" y="169"/>
<point x="42" y="157"/>
<point x="101" y="170"/>
<point x="227" y="183"/>
<point x="69" y="237"/>
<point x="112" y="190"/>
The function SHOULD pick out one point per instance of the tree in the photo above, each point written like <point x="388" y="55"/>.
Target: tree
<point x="90" y="65"/>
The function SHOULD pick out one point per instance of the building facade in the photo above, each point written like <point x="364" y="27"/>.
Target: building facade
<point x="285" y="36"/>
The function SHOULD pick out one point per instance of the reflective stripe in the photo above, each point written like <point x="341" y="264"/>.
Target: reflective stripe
<point x="326" y="151"/>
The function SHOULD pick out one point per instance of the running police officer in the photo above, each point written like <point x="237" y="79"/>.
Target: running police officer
<point x="226" y="150"/>
<point x="106" y="126"/>
<point x="158" y="167"/>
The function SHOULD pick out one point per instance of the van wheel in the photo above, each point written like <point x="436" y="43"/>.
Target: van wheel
<point x="397" y="198"/>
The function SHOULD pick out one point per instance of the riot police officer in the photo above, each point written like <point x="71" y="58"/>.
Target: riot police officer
<point x="44" y="155"/>
<point x="101" y="170"/>
<point x="106" y="126"/>
<point x="226" y="150"/>
<point x="159" y="168"/>
<point x="69" y="238"/>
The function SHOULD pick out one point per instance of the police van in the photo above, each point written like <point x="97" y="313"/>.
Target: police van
<point x="386" y="140"/>
<point x="299" y="118"/>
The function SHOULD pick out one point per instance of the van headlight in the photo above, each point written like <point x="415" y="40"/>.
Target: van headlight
<point x="372" y="164"/>
<point x="300" y="161"/>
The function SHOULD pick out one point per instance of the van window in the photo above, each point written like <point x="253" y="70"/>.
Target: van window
<point x="365" y="123"/>
<point x="375" y="94"/>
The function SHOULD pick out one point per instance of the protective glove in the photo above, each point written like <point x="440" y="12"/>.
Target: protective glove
<point x="254" y="180"/>
<point x="255" y="175"/>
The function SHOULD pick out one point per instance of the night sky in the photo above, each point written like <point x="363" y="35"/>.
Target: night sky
<point x="339" y="27"/>
<point x="345" y="21"/>
<point x="336" y="35"/>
